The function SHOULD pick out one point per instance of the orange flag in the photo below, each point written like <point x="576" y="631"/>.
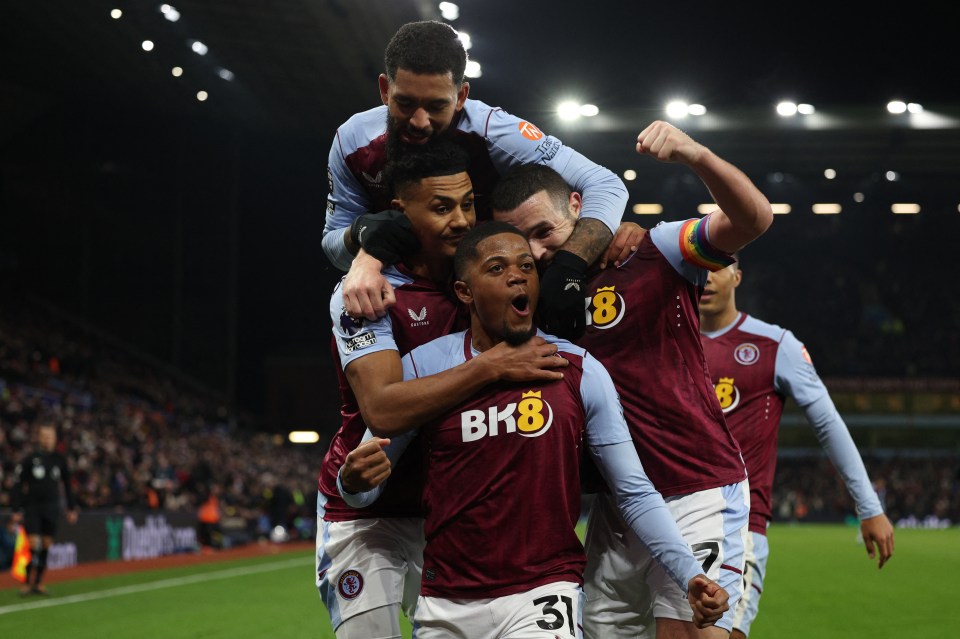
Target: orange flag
<point x="21" y="556"/>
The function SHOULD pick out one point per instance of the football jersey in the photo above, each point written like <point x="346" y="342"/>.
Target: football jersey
<point x="502" y="494"/>
<point x="754" y="367"/>
<point x="643" y="325"/>
<point x="37" y="479"/>
<point x="422" y="313"/>
<point x="495" y="142"/>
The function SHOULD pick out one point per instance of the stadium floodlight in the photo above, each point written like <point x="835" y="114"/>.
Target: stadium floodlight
<point x="905" y="208"/>
<point x="225" y="74"/>
<point x="913" y="107"/>
<point x="647" y="209"/>
<point x="706" y="208"/>
<point x="202" y="96"/>
<point x="176" y="72"/>
<point x="829" y="174"/>
<point x="170" y="13"/>
<point x="449" y="11"/>
<point x="892" y="176"/>
<point x="896" y="107"/>
<point x="473" y="69"/>
<point x="806" y="109"/>
<point x="677" y="109"/>
<point x="629" y="175"/>
<point x="787" y="109"/>
<point x="465" y="39"/>
<point x="116" y="14"/>
<point x="198" y="47"/>
<point x="827" y="209"/>
<point x="858" y="197"/>
<point x="780" y="209"/>
<point x="696" y="109"/>
<point x="568" y="110"/>
<point x="147" y="45"/>
<point x="589" y="110"/>
<point x="303" y="437"/>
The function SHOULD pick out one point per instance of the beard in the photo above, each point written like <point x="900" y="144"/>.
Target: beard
<point x="516" y="337"/>
<point x="396" y="147"/>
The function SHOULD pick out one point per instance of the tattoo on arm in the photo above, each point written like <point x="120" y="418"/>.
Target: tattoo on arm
<point x="589" y="240"/>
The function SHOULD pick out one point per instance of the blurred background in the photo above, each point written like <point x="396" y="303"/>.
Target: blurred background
<point x="163" y="292"/>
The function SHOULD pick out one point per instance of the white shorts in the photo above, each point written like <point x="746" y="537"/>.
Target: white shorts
<point x="627" y="589"/>
<point x="756" y="567"/>
<point x="368" y="563"/>
<point x="553" y="611"/>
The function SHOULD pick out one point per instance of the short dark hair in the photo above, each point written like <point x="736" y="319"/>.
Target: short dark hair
<point x="525" y="181"/>
<point x="467" y="249"/>
<point x="440" y="157"/>
<point x="426" y="47"/>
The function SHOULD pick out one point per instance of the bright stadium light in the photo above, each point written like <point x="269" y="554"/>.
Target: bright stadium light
<point x="913" y="107"/>
<point x="704" y="209"/>
<point x="473" y="69"/>
<point x="827" y="209"/>
<point x="303" y="437"/>
<point x="589" y="110"/>
<point x="892" y="176"/>
<point x="629" y="175"/>
<point x="858" y="197"/>
<point x="647" y="209"/>
<point x="225" y="74"/>
<point x="198" y="47"/>
<point x="170" y="13"/>
<point x="449" y="11"/>
<point x="905" y="208"/>
<point x="116" y="14"/>
<point x="147" y="45"/>
<point x="176" y="72"/>
<point x="829" y="174"/>
<point x="697" y="109"/>
<point x="202" y="96"/>
<point x="465" y="39"/>
<point x="568" y="110"/>
<point x="806" y="109"/>
<point x="780" y="209"/>
<point x="896" y="107"/>
<point x="677" y="109"/>
<point x="787" y="109"/>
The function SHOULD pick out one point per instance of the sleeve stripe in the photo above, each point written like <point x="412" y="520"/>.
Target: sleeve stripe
<point x="696" y="248"/>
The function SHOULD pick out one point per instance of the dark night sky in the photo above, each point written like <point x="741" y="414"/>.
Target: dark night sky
<point x="111" y="182"/>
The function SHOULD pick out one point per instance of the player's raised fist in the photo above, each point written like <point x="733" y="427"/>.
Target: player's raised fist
<point x="667" y="143"/>
<point x="366" y="466"/>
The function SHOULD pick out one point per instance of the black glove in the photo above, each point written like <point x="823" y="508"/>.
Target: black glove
<point x="562" y="296"/>
<point x="387" y="236"/>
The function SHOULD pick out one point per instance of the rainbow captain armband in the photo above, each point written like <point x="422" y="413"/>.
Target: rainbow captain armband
<point x="696" y="248"/>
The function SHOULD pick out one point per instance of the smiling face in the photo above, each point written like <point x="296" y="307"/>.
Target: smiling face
<point x="441" y="211"/>
<point x="544" y="222"/>
<point x="420" y="106"/>
<point x="502" y="288"/>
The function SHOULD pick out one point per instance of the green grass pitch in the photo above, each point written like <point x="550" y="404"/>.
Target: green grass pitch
<point x="820" y="584"/>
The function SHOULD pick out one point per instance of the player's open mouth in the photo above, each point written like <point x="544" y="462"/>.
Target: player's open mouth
<point x="414" y="138"/>
<point x="521" y="304"/>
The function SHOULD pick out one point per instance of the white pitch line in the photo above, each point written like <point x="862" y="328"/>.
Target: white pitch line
<point x="153" y="585"/>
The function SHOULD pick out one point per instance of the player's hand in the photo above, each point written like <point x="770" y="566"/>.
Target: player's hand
<point x="387" y="236"/>
<point x="366" y="292"/>
<point x="562" y="299"/>
<point x="708" y="601"/>
<point x="365" y="467"/>
<point x="624" y="243"/>
<point x="533" y="361"/>
<point x="71" y="516"/>
<point x="878" y="538"/>
<point x="667" y="143"/>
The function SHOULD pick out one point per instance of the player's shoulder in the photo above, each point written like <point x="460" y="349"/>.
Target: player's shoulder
<point x="753" y="326"/>
<point x="568" y="350"/>
<point x="439" y="354"/>
<point x="362" y="128"/>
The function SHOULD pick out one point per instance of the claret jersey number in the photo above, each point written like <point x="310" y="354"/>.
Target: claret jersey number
<point x="727" y="394"/>
<point x="606" y="308"/>
<point x="531" y="417"/>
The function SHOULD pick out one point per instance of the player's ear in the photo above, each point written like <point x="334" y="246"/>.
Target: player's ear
<point x="397" y="205"/>
<point x="575" y="203"/>
<point x="464" y="294"/>
<point x="384" y="83"/>
<point x="462" y="94"/>
<point x="738" y="275"/>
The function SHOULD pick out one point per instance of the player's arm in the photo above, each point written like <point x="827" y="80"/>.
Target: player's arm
<point x="796" y="376"/>
<point x="744" y="212"/>
<point x="641" y="506"/>
<point x="391" y="406"/>
<point x="346" y="200"/>
<point x="68" y="491"/>
<point x="17" y="492"/>
<point x="363" y="476"/>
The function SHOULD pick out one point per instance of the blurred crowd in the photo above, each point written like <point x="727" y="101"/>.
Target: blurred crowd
<point x="135" y="439"/>
<point x="912" y="488"/>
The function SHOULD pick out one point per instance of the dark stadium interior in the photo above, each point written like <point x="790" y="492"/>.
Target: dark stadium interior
<point x="166" y="251"/>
